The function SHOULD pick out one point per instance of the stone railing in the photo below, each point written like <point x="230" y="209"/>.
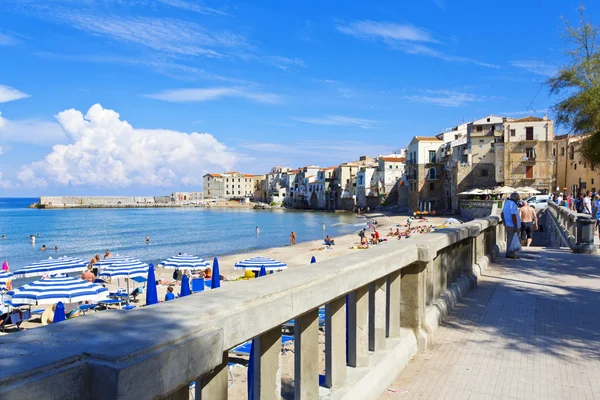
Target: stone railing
<point x="381" y="307"/>
<point x="568" y="228"/>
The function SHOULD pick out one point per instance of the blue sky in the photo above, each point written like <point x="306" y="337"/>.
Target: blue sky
<point x="145" y="96"/>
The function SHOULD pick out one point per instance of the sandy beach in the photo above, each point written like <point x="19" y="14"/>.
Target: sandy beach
<point x="295" y="257"/>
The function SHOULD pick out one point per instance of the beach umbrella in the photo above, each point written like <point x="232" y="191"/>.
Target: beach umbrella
<point x="185" y="261"/>
<point x="5" y="278"/>
<point x="216" y="279"/>
<point x="251" y="367"/>
<point x="256" y="263"/>
<point x="263" y="271"/>
<point x="452" y="221"/>
<point x="59" y="313"/>
<point x="52" y="266"/>
<point x="58" y="288"/>
<point x="151" y="291"/>
<point x="313" y="260"/>
<point x="472" y="192"/>
<point x="503" y="190"/>
<point x="127" y="268"/>
<point x="185" y="286"/>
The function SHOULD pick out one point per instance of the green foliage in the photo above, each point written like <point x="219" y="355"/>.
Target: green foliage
<point x="577" y="85"/>
<point x="273" y="204"/>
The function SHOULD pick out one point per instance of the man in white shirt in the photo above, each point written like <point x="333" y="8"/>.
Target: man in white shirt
<point x="587" y="203"/>
<point x="512" y="221"/>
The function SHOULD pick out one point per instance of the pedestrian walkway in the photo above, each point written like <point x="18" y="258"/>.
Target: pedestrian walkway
<point x="530" y="330"/>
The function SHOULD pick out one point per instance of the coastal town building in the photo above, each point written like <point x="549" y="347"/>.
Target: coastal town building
<point x="368" y="185"/>
<point x="229" y="185"/>
<point x="573" y="173"/>
<point x="528" y="153"/>
<point x="424" y="175"/>
<point x="186" y="196"/>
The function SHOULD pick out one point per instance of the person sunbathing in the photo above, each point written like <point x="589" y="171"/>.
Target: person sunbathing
<point x="329" y="241"/>
<point x="397" y="233"/>
<point x="208" y="273"/>
<point x="391" y="233"/>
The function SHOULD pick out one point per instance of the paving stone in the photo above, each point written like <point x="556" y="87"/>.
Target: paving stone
<point x="530" y="330"/>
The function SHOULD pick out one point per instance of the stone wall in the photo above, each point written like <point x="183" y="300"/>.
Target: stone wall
<point x="101" y="201"/>
<point x="473" y="209"/>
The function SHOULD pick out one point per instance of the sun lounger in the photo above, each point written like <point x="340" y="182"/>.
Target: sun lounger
<point x="244" y="348"/>
<point x="110" y="302"/>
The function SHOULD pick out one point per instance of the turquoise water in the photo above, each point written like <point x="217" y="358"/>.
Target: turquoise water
<point x="203" y="232"/>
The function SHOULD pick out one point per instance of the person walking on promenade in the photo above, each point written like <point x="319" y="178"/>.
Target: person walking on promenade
<point x="529" y="223"/>
<point x="587" y="203"/>
<point x="512" y="222"/>
<point x="596" y="212"/>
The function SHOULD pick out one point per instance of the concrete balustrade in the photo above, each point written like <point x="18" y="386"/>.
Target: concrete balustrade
<point x="381" y="307"/>
<point x="570" y="229"/>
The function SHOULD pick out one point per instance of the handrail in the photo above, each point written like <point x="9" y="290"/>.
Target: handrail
<point x="153" y="351"/>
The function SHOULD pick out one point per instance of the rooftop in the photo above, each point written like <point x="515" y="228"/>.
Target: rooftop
<point x="528" y="119"/>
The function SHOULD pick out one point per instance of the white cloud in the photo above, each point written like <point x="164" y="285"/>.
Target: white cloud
<point x="6" y="40"/>
<point x="387" y="31"/>
<point x="8" y="93"/>
<point x="447" y="98"/>
<point x="338" y="120"/>
<point x="284" y="63"/>
<point x="205" y="94"/>
<point x="166" y="35"/>
<point x="105" y="151"/>
<point x="193" y="6"/>
<point x="5" y="184"/>
<point x="538" y="67"/>
<point x="404" y="37"/>
<point x="30" y="131"/>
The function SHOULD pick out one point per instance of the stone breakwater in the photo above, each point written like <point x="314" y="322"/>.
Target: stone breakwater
<point x="104" y="202"/>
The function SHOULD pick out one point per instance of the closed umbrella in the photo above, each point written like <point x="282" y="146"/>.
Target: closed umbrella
<point x="151" y="291"/>
<point x="216" y="279"/>
<point x="52" y="266"/>
<point x="185" y="261"/>
<point x="263" y="271"/>
<point x="63" y="288"/>
<point x="59" y="313"/>
<point x="185" y="286"/>
<point x="256" y="263"/>
<point x="313" y="260"/>
<point x="452" y="221"/>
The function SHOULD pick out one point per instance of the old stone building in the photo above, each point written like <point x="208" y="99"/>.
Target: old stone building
<point x="573" y="173"/>
<point x="528" y="153"/>
<point x="425" y="175"/>
<point x="229" y="185"/>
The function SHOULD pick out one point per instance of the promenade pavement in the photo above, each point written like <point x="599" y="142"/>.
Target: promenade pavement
<point x="529" y="330"/>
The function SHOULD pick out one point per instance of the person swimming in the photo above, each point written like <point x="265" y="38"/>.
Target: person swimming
<point x="43" y="247"/>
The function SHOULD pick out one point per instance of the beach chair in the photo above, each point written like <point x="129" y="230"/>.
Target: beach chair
<point x="289" y="326"/>
<point x="245" y="348"/>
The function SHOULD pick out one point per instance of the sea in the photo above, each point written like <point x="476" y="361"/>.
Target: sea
<point x="199" y="231"/>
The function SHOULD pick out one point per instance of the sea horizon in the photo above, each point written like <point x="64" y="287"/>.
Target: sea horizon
<point x="207" y="233"/>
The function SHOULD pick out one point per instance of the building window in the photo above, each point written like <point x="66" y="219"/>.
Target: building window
<point x="575" y="166"/>
<point x="432" y="186"/>
<point x="488" y="120"/>
<point x="592" y="181"/>
<point x="479" y="128"/>
<point x="529" y="152"/>
<point x="529" y="172"/>
<point x="562" y="151"/>
<point x="431" y="156"/>
<point x="529" y="133"/>
<point x="432" y="174"/>
<point x="513" y="132"/>
<point x="553" y="152"/>
<point x="480" y="140"/>
<point x="390" y="167"/>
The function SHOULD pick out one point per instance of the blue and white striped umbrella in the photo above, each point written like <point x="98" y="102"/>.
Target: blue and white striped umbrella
<point x="58" y="288"/>
<point x="107" y="262"/>
<point x="52" y="266"/>
<point x="255" y="263"/>
<point x="4" y="278"/>
<point x="126" y="268"/>
<point x="184" y="261"/>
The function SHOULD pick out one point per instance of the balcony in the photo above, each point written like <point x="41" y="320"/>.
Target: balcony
<point x="529" y="159"/>
<point x="138" y="358"/>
